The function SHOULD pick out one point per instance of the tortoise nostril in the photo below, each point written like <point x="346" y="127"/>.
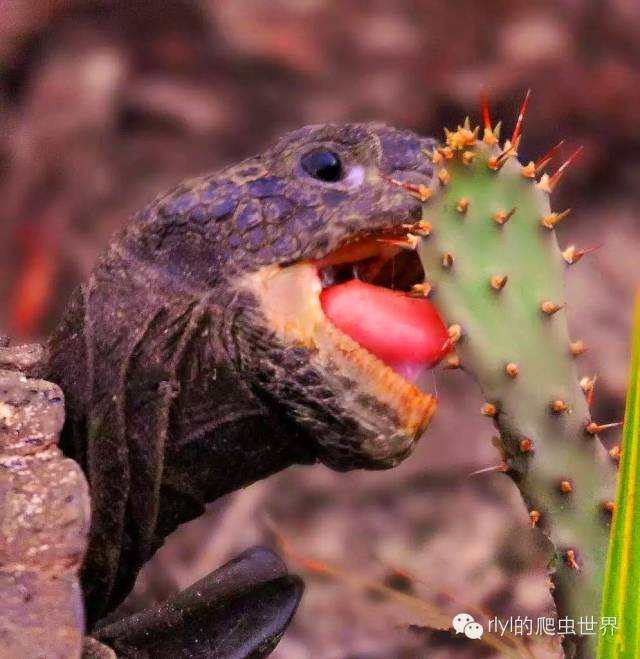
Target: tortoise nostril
<point x="428" y="144"/>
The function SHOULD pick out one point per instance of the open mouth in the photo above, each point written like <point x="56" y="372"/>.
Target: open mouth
<point x="368" y="292"/>
<point x="356" y="310"/>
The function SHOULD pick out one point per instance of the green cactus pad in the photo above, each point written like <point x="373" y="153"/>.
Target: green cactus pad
<point x="496" y="274"/>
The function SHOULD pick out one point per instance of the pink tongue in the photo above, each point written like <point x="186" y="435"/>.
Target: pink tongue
<point x="404" y="332"/>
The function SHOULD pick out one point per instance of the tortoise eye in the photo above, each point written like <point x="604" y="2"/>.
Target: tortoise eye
<point x="322" y="164"/>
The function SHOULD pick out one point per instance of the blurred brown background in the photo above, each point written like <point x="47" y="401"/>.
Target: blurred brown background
<point x="104" y="104"/>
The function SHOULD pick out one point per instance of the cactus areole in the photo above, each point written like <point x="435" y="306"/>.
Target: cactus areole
<point x="495" y="274"/>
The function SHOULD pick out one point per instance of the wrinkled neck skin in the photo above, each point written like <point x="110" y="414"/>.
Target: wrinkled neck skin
<point x="159" y="414"/>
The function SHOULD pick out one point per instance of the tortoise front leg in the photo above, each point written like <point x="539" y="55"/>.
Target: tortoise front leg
<point x="240" y="611"/>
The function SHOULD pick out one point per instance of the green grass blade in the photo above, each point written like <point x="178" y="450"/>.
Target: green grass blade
<point x="621" y="599"/>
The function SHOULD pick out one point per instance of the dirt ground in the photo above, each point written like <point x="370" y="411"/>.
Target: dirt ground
<point x="105" y="104"/>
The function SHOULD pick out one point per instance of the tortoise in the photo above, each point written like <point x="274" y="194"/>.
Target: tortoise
<point x="194" y="361"/>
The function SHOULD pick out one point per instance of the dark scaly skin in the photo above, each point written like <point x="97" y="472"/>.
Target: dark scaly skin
<point x="177" y="391"/>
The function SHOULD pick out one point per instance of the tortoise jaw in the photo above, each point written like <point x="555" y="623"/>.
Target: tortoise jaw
<point x="290" y="300"/>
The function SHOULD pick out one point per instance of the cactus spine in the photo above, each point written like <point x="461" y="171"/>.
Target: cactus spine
<point x="495" y="272"/>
